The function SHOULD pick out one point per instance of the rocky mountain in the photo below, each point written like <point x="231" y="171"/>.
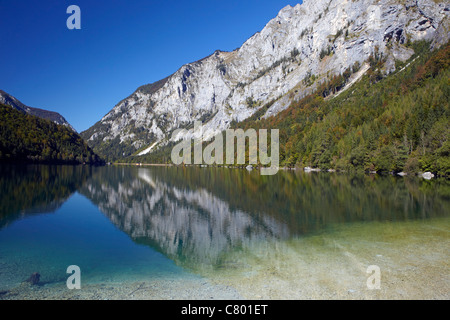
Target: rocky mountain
<point x="9" y="100"/>
<point x="302" y="47"/>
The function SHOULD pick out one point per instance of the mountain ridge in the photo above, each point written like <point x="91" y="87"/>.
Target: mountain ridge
<point x="318" y="38"/>
<point x="7" y="99"/>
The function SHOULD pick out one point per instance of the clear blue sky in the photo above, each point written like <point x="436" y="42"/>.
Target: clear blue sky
<point x="122" y="45"/>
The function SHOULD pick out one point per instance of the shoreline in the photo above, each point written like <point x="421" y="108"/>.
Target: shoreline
<point x="425" y="175"/>
<point x="155" y="289"/>
<point x="413" y="259"/>
<point x="144" y="164"/>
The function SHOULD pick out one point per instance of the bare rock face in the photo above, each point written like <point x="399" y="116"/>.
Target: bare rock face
<point x="271" y="65"/>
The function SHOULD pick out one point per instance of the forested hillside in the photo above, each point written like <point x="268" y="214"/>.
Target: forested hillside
<point x="396" y="123"/>
<point x="27" y="138"/>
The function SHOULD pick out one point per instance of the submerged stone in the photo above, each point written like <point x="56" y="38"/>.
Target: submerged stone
<point x="34" y="278"/>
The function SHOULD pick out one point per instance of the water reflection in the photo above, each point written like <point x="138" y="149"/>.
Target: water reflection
<point x="32" y="189"/>
<point x="188" y="224"/>
<point x="195" y="215"/>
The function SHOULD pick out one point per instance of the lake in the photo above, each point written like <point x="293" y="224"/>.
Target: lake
<point x="221" y="233"/>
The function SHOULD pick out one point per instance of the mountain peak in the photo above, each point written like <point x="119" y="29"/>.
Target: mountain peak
<point x="319" y="38"/>
<point x="13" y="102"/>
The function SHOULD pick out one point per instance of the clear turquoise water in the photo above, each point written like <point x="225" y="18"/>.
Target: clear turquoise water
<point x="126" y="224"/>
<point x="76" y="234"/>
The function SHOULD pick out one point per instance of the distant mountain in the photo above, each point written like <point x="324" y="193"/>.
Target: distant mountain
<point x="299" y="50"/>
<point x="28" y="138"/>
<point x="9" y="100"/>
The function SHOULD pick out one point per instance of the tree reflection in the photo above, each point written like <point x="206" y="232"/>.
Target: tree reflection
<point x="29" y="189"/>
<point x="195" y="215"/>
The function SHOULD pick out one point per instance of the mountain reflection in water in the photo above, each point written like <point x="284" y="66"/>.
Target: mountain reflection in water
<point x="196" y="215"/>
